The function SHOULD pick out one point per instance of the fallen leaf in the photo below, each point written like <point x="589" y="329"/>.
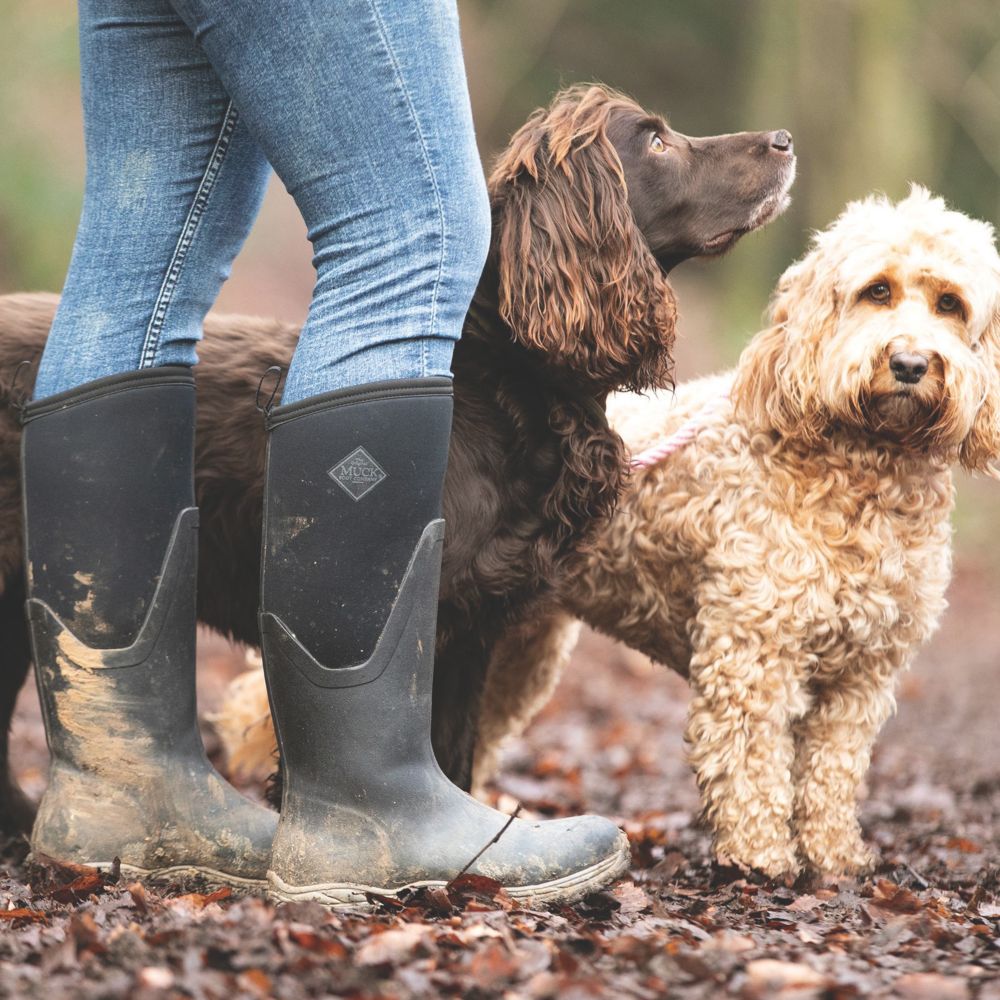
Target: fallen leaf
<point x="436" y="898"/>
<point x="306" y="937"/>
<point x="221" y="893"/>
<point x="86" y="934"/>
<point x="807" y="935"/>
<point x="477" y="893"/>
<point x="155" y="977"/>
<point x="732" y="942"/>
<point x="631" y="898"/>
<point x="476" y="932"/>
<point x="392" y="946"/>
<point x="90" y="882"/>
<point x="256" y="981"/>
<point x="200" y="900"/>
<point x="138" y="893"/>
<point x="634" y="949"/>
<point x="930" y="986"/>
<point x="492" y="964"/>
<point x="23" y="914"/>
<point x="964" y="845"/>
<point x="767" y="977"/>
<point x="804" y="904"/>
<point x="65" y="868"/>
<point x="889" y="896"/>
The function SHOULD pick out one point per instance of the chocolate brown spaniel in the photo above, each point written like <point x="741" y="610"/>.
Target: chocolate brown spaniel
<point x="594" y="200"/>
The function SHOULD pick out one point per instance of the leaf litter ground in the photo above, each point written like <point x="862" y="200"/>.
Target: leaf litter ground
<point x="926" y="926"/>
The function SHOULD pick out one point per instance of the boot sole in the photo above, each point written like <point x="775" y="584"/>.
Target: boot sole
<point x="352" y="895"/>
<point x="182" y="873"/>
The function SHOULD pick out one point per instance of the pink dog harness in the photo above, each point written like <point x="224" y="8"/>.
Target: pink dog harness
<point x="681" y="437"/>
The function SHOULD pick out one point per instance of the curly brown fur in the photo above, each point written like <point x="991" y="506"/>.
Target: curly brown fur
<point x="573" y="303"/>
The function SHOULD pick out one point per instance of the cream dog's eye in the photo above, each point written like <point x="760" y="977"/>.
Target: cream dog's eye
<point x="656" y="144"/>
<point x="880" y="292"/>
<point x="949" y="303"/>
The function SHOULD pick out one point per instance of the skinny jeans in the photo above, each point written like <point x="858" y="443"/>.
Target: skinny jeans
<point x="361" y="107"/>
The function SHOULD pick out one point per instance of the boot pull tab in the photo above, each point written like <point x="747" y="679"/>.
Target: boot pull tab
<point x="18" y="402"/>
<point x="277" y="371"/>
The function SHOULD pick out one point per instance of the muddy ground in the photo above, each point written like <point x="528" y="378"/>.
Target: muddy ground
<point x="925" y="926"/>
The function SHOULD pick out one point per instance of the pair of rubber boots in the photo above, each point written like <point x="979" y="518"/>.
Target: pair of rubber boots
<point x="350" y="568"/>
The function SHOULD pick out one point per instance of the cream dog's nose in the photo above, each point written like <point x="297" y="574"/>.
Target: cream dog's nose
<point x="908" y="367"/>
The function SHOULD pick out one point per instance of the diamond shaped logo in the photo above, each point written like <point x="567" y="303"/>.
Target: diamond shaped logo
<point x="358" y="474"/>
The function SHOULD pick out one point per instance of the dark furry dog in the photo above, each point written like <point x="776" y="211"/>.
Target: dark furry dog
<point x="594" y="200"/>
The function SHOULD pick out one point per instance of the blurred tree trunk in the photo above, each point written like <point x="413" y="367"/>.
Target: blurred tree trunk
<point x="839" y="75"/>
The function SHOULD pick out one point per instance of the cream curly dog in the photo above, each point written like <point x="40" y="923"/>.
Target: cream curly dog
<point x="793" y="557"/>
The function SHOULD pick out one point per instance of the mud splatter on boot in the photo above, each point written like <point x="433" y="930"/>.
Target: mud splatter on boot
<point x="112" y="560"/>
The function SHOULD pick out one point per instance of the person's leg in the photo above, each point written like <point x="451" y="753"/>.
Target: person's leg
<point x="173" y="182"/>
<point x="362" y="108"/>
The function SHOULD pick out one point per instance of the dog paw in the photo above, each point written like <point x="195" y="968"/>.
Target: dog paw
<point x="778" y="862"/>
<point x="844" y="855"/>
<point x="860" y="862"/>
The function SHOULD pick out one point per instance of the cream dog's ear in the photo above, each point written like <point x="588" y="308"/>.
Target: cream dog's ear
<point x="756" y="394"/>
<point x="777" y="384"/>
<point x="981" y="446"/>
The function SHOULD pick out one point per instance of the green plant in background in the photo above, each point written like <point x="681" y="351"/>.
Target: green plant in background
<point x="40" y="158"/>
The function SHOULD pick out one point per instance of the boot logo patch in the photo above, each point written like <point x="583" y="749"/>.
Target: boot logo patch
<point x="358" y="474"/>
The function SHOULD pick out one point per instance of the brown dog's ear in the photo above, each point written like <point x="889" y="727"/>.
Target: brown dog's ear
<point x="981" y="446"/>
<point x="577" y="280"/>
<point x="777" y="383"/>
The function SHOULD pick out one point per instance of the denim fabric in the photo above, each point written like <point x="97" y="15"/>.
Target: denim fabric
<point x="362" y="109"/>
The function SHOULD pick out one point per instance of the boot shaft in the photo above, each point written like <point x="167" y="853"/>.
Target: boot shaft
<point x="350" y="573"/>
<point x="111" y="548"/>
<point x="106" y="470"/>
<point x="353" y="478"/>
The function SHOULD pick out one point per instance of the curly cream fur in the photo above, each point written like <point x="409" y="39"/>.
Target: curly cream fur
<point x="792" y="559"/>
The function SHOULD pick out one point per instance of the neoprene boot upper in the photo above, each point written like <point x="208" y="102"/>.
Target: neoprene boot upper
<point x="111" y="544"/>
<point x="351" y="565"/>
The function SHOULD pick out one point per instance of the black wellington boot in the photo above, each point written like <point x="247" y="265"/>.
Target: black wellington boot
<point x="111" y="540"/>
<point x="352" y="553"/>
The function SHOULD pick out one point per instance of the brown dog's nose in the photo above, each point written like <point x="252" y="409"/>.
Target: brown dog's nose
<point x="908" y="367"/>
<point x="781" y="140"/>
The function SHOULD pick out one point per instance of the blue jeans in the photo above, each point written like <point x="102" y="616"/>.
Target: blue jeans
<point x="362" y="109"/>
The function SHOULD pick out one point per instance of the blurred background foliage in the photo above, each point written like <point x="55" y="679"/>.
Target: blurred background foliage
<point x="877" y="93"/>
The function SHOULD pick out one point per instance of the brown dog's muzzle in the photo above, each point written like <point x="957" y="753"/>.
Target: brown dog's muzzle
<point x="781" y="140"/>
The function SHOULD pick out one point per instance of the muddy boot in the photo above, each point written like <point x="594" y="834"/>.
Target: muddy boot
<point x="111" y="540"/>
<point x="352" y="554"/>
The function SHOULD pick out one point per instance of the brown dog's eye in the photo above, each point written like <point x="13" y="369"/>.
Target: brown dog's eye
<point x="656" y="144"/>
<point x="880" y="292"/>
<point x="949" y="303"/>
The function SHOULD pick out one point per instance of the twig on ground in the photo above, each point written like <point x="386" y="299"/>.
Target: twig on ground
<point x="485" y="847"/>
